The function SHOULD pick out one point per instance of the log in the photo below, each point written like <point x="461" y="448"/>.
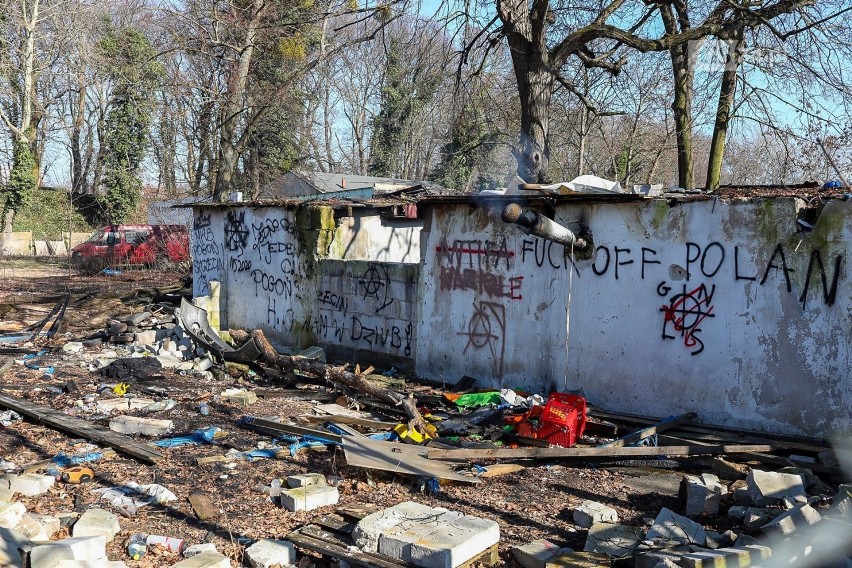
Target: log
<point x="336" y="374"/>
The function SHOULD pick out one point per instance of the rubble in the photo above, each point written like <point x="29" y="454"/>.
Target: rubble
<point x="771" y="488"/>
<point x="591" y="512"/>
<point x="155" y="371"/>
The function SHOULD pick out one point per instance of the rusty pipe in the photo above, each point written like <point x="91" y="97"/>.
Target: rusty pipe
<point x="534" y="223"/>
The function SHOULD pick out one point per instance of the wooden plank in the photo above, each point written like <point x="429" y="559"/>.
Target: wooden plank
<point x="404" y="459"/>
<point x="488" y="557"/>
<point x="271" y="426"/>
<point x="321" y="546"/>
<point x="355" y="421"/>
<point x="733" y="434"/>
<point x="203" y="506"/>
<point x="661" y="426"/>
<point x="500" y="469"/>
<point x="764" y="458"/>
<point x="587" y="453"/>
<point x="81" y="428"/>
<point x="358" y="511"/>
<point x="337" y="524"/>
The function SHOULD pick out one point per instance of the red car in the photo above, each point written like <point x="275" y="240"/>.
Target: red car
<point x="146" y="245"/>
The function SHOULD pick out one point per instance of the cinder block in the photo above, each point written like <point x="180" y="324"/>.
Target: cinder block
<point x="309" y="498"/>
<point x="91" y="564"/>
<point x="28" y="484"/>
<point x="139" y="425"/>
<point x="536" y="553"/>
<point x="701" y="495"/>
<point x="580" y="560"/>
<point x="724" y="557"/>
<point x="50" y="554"/>
<point x="204" y="560"/>
<point x="674" y="528"/>
<point x="788" y="522"/>
<point x="615" y="540"/>
<point x="770" y="487"/>
<point x="305" y="480"/>
<point x="454" y="544"/>
<point x="11" y="514"/>
<point x="368" y="530"/>
<point x="591" y="512"/>
<point x="97" y="522"/>
<point x="38" y="527"/>
<point x="11" y="543"/>
<point x="267" y="553"/>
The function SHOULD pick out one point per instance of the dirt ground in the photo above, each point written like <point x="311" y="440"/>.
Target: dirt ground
<point x="530" y="504"/>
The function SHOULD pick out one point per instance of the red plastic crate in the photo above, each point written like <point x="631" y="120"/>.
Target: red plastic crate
<point x="563" y="419"/>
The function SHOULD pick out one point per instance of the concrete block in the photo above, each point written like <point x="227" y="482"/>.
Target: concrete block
<point x="204" y="560"/>
<point x="453" y="544"/>
<point x="11" y="543"/>
<point x="770" y="487"/>
<point x="50" y="554"/>
<point x="701" y="495"/>
<point x="725" y="557"/>
<point x="738" y="511"/>
<point x="671" y="527"/>
<point x="788" y="522"/>
<point x="197" y="549"/>
<point x="91" y="564"/>
<point x="28" y="484"/>
<point x="615" y="540"/>
<point x="580" y="560"/>
<point x="96" y="522"/>
<point x="591" y="512"/>
<point x="72" y="347"/>
<point x="138" y="425"/>
<point x="37" y="527"/>
<point x="368" y="530"/>
<point x="756" y="518"/>
<point x="239" y="396"/>
<point x="655" y="558"/>
<point x="267" y="553"/>
<point x="11" y="514"/>
<point x="536" y="553"/>
<point x="148" y="337"/>
<point x="295" y="481"/>
<point x="309" y="498"/>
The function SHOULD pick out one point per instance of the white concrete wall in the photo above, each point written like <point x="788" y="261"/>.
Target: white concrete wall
<point x="367" y="236"/>
<point x="703" y="307"/>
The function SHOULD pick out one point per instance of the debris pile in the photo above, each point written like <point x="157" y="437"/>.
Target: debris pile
<point x="199" y="444"/>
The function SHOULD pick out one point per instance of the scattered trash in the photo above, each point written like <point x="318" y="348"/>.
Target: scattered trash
<point x="137" y="546"/>
<point x="203" y="436"/>
<point x="10" y="417"/>
<point x="77" y="474"/>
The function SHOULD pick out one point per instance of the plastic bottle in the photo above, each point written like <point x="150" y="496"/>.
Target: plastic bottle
<point x="169" y="543"/>
<point x="136" y="546"/>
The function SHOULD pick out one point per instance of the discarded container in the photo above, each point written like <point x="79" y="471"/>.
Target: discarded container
<point x="204" y="409"/>
<point x="137" y="546"/>
<point x="169" y="543"/>
<point x="563" y="419"/>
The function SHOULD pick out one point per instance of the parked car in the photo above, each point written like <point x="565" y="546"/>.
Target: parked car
<point x="132" y="245"/>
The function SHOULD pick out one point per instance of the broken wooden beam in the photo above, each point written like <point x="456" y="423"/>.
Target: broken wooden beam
<point x="661" y="426"/>
<point x="81" y="428"/>
<point x="591" y="453"/>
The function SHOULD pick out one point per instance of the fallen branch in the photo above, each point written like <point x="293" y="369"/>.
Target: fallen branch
<point x="336" y="374"/>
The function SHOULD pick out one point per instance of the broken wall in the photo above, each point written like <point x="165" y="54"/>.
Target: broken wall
<point x="723" y="308"/>
<point x="275" y="274"/>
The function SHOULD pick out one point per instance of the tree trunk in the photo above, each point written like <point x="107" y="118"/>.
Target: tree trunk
<point x="723" y="113"/>
<point x="234" y="106"/>
<point x="535" y="87"/>
<point x="682" y="107"/>
<point x="581" y="150"/>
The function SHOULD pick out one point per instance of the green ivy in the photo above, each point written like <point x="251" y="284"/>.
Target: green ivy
<point x="23" y="178"/>
<point x="132" y="66"/>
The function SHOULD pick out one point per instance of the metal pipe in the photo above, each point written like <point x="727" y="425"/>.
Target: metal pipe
<point x="534" y="223"/>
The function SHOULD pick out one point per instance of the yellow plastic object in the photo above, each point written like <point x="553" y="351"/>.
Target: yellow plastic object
<point x="78" y="474"/>
<point x="121" y="389"/>
<point x="412" y="435"/>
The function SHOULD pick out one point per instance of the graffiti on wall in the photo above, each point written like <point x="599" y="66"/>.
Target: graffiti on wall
<point x="206" y="259"/>
<point x="486" y="331"/>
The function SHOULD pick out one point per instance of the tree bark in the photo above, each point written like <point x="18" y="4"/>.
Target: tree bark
<point x="723" y="112"/>
<point x="234" y="105"/>
<point x="333" y="374"/>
